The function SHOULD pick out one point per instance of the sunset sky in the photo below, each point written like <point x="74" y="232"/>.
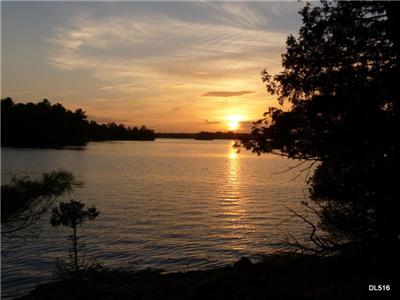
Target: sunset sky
<point x="174" y="67"/>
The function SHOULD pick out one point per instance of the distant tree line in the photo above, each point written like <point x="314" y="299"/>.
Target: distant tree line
<point x="204" y="135"/>
<point x="118" y="132"/>
<point x="230" y="135"/>
<point x="44" y="124"/>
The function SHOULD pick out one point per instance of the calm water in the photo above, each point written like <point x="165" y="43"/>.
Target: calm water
<point x="170" y="204"/>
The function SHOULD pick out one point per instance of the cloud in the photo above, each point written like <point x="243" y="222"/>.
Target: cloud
<point x="142" y="48"/>
<point x="239" y="14"/>
<point x="111" y="87"/>
<point x="145" y="56"/>
<point x="226" y="93"/>
<point x="212" y="122"/>
<point x="66" y="93"/>
<point x="247" y="124"/>
<point x="177" y="108"/>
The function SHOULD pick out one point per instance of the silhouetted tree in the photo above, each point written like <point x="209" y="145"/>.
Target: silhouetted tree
<point x="41" y="125"/>
<point x="341" y="81"/>
<point x="73" y="215"/>
<point x="51" y="125"/>
<point x="113" y="131"/>
<point x="24" y="201"/>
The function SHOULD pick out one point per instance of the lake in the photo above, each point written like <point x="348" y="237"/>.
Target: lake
<point x="170" y="204"/>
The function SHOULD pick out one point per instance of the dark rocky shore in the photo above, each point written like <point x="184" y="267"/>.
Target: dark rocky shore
<point x="280" y="276"/>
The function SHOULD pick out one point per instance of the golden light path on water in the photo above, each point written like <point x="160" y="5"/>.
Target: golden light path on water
<point x="170" y="204"/>
<point x="233" y="203"/>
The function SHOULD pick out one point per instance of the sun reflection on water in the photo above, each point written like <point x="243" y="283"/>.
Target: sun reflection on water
<point x="233" y="216"/>
<point x="232" y="179"/>
<point x="233" y="154"/>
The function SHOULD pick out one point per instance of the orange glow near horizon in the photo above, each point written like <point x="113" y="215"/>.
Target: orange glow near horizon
<point x="149" y="63"/>
<point x="233" y="125"/>
<point x="233" y="122"/>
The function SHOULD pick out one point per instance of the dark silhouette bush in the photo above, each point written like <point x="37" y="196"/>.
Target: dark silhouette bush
<point x="341" y="79"/>
<point x="24" y="200"/>
<point x="73" y="215"/>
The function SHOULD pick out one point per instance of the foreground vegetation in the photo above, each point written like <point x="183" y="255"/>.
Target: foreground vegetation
<point x="280" y="276"/>
<point x="25" y="200"/>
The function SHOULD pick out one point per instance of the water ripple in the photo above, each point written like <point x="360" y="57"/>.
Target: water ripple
<point x="171" y="204"/>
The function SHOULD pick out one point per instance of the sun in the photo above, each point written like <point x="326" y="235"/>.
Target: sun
<point x="233" y="125"/>
<point x="233" y="122"/>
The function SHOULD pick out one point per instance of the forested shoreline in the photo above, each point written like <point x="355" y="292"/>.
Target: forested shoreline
<point x="44" y="124"/>
<point x="203" y="135"/>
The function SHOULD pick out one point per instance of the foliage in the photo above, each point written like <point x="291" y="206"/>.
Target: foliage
<point x="52" y="125"/>
<point x="113" y="131"/>
<point x="24" y="200"/>
<point x="87" y="267"/>
<point x="278" y="276"/>
<point x="42" y="124"/>
<point x="206" y="135"/>
<point x="73" y="215"/>
<point x="340" y="79"/>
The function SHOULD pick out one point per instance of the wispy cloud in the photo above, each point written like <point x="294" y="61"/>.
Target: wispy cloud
<point x="140" y="47"/>
<point x="226" y="93"/>
<point x="142" y="62"/>
<point x="212" y="122"/>
<point x="178" y="108"/>
<point x="59" y="94"/>
<point x="111" y="87"/>
<point x="238" y="14"/>
<point x="246" y="125"/>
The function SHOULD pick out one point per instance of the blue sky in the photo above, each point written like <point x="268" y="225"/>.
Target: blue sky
<point x="183" y="66"/>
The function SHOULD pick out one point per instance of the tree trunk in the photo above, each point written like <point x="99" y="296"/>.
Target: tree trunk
<point x="75" y="251"/>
